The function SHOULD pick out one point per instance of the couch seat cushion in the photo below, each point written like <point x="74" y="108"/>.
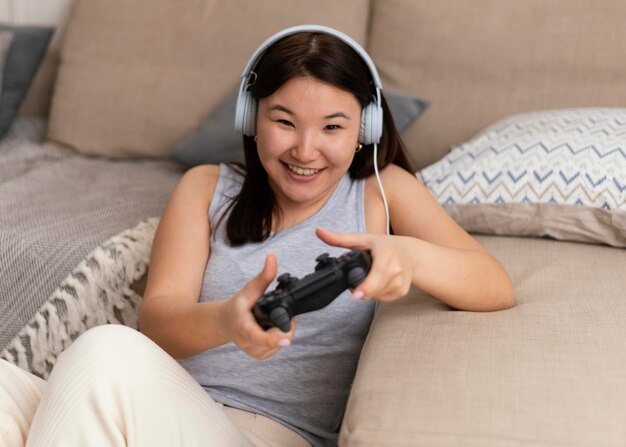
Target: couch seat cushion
<point x="547" y="372"/>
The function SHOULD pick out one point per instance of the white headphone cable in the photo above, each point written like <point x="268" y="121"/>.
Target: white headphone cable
<point x="380" y="186"/>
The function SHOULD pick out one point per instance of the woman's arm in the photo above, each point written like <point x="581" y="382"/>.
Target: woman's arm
<point x="170" y="313"/>
<point x="429" y="251"/>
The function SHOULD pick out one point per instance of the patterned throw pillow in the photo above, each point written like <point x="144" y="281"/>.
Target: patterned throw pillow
<point x="557" y="173"/>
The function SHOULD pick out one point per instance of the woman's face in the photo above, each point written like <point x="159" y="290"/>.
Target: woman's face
<point x="307" y="133"/>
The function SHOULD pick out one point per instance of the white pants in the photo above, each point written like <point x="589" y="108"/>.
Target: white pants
<point x="115" y="387"/>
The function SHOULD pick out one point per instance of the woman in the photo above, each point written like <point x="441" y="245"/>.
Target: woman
<point x="309" y="186"/>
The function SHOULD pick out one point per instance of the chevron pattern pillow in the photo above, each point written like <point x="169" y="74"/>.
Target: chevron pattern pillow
<point x="556" y="173"/>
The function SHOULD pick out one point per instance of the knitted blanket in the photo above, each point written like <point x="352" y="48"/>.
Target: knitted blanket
<point x="56" y="207"/>
<point x="98" y="291"/>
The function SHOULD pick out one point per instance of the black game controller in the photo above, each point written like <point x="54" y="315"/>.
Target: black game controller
<point x="293" y="296"/>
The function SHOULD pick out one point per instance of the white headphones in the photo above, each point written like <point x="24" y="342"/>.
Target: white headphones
<point x="245" y="112"/>
<point x="371" y="127"/>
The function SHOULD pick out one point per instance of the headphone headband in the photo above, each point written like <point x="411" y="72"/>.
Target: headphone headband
<point x="254" y="59"/>
<point x="245" y="112"/>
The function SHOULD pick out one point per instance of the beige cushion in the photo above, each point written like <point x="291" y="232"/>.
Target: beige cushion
<point x="548" y="372"/>
<point x="37" y="100"/>
<point x="6" y="38"/>
<point x="479" y="61"/>
<point x="135" y="79"/>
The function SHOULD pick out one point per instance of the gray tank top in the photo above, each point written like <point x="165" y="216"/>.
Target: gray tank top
<point x="306" y="385"/>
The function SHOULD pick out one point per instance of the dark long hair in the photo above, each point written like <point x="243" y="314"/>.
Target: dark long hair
<point x="327" y="59"/>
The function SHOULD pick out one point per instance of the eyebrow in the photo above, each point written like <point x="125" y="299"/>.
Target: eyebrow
<point x="289" y="112"/>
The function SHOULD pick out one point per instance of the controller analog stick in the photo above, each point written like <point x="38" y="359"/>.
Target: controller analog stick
<point x="355" y="276"/>
<point x="323" y="260"/>
<point x="285" y="279"/>
<point x="280" y="317"/>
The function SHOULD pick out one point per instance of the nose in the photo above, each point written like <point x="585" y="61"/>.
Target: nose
<point x="305" y="148"/>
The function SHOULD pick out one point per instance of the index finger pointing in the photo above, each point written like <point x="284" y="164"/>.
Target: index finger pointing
<point x="346" y="240"/>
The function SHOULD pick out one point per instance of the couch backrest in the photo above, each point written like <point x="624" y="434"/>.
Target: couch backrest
<point x="481" y="60"/>
<point x="476" y="62"/>
<point x="134" y="80"/>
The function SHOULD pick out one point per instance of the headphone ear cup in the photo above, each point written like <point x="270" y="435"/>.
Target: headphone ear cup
<point x="245" y="114"/>
<point x="371" y="128"/>
<point x="249" y="114"/>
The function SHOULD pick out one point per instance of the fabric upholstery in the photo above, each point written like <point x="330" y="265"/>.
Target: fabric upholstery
<point x="480" y="61"/>
<point x="37" y="101"/>
<point x="6" y="37"/>
<point x="133" y="81"/>
<point x="548" y="372"/>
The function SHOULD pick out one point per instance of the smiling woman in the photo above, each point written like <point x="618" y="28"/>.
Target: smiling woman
<point x="309" y="143"/>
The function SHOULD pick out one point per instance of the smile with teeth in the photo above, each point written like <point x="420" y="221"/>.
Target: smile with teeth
<point x="302" y="171"/>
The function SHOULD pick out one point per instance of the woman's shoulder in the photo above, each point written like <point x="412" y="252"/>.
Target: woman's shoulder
<point x="202" y="174"/>
<point x="203" y="171"/>
<point x="203" y="182"/>
<point x="395" y="171"/>
<point x="199" y="182"/>
<point x="394" y="177"/>
<point x="233" y="172"/>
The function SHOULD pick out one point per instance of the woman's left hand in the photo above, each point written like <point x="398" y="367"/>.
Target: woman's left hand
<point x="392" y="263"/>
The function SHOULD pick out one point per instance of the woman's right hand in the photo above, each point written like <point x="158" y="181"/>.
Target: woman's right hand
<point x="240" y="325"/>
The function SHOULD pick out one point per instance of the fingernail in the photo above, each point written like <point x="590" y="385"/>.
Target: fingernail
<point x="358" y="295"/>
<point x="284" y="342"/>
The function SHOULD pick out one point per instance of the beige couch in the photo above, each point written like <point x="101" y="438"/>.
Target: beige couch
<point x="552" y="370"/>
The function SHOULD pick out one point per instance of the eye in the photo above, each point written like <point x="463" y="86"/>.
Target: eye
<point x="285" y="123"/>
<point x="332" y="127"/>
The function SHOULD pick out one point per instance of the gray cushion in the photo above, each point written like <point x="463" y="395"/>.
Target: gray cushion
<point x="215" y="140"/>
<point x="26" y="53"/>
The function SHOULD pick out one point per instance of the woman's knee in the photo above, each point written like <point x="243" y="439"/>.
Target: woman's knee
<point x="108" y="334"/>
<point x="109" y="338"/>
<point x="110" y="344"/>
